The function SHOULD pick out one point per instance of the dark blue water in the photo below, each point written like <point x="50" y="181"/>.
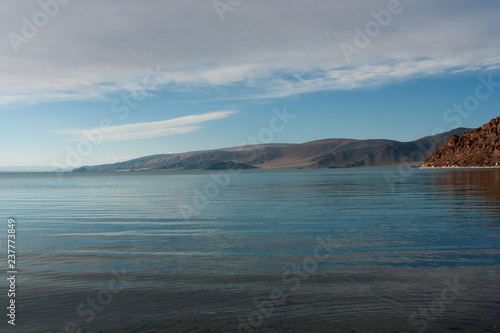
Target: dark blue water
<point x="365" y="250"/>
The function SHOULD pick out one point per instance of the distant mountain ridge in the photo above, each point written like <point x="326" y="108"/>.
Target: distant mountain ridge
<point x="33" y="169"/>
<point x="328" y="153"/>
<point x="475" y="148"/>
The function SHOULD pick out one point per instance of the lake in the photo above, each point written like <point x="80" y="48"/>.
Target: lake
<point x="340" y="250"/>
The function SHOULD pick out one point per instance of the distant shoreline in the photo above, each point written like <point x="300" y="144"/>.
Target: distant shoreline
<point x="262" y="169"/>
<point x="461" y="167"/>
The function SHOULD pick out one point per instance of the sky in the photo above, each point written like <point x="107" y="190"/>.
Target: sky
<point x="101" y="81"/>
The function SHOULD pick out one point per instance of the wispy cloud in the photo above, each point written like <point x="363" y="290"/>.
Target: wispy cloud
<point x="258" y="51"/>
<point x="147" y="130"/>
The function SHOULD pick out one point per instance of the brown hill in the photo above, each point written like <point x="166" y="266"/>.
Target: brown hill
<point x="328" y="153"/>
<point x="477" y="148"/>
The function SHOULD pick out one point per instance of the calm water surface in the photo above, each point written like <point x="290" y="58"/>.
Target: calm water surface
<point x="367" y="250"/>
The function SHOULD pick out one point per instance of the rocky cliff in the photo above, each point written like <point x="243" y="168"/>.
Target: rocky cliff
<point x="479" y="147"/>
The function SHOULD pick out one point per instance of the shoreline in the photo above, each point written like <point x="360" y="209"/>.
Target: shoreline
<point x="459" y="167"/>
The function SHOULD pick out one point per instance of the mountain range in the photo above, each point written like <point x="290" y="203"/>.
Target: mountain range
<point x="33" y="169"/>
<point x="327" y="153"/>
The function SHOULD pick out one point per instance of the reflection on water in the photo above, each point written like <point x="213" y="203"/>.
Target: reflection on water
<point x="486" y="182"/>
<point x="272" y="251"/>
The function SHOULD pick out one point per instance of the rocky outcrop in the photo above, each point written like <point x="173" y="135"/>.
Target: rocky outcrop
<point x="477" y="148"/>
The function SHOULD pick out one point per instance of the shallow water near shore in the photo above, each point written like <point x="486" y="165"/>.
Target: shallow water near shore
<point x="344" y="250"/>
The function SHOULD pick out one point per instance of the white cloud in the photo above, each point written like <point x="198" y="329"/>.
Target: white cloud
<point x="261" y="49"/>
<point x="147" y="130"/>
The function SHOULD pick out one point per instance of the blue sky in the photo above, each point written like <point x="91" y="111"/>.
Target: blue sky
<point x="190" y="75"/>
